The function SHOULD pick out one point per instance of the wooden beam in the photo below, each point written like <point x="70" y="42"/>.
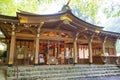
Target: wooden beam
<point x="56" y="30"/>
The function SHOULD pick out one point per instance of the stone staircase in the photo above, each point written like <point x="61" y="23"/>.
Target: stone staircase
<point x="61" y="72"/>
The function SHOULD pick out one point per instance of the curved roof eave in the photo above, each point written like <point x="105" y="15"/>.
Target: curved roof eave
<point x="115" y="34"/>
<point x="16" y="19"/>
<point x="88" y="24"/>
<point x="39" y="15"/>
<point x="8" y="18"/>
<point x="24" y="13"/>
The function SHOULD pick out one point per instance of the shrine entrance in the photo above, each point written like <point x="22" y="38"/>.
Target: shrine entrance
<point x="83" y="54"/>
<point x="59" y="50"/>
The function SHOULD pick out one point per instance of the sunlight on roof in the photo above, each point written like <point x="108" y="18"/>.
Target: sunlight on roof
<point x="1" y="33"/>
<point x="1" y="47"/>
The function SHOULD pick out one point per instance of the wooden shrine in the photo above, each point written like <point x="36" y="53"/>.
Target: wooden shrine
<point x="60" y="38"/>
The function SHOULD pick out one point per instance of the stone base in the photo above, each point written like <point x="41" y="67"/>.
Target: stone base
<point x="10" y="65"/>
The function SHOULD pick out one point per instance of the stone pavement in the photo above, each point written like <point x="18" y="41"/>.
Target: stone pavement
<point x="2" y="73"/>
<point x="100" y="78"/>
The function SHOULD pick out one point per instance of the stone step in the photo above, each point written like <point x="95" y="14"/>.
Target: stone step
<point x="71" y="70"/>
<point x="72" y="74"/>
<point x="70" y="77"/>
<point x="61" y="72"/>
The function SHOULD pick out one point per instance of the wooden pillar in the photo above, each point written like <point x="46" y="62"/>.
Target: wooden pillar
<point x="72" y="50"/>
<point x="64" y="61"/>
<point x="48" y="49"/>
<point x="115" y="50"/>
<point x="76" y="49"/>
<point x="37" y="48"/>
<point x="90" y="49"/>
<point x="12" y="46"/>
<point x="55" y="50"/>
<point x="90" y="52"/>
<point x="58" y="50"/>
<point x="103" y="49"/>
<point x="37" y="43"/>
<point x="103" y="45"/>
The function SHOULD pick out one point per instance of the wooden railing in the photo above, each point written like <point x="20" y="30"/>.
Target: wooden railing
<point x="83" y="61"/>
<point x="106" y="59"/>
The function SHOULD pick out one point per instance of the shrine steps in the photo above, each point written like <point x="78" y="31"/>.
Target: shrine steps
<point x="61" y="72"/>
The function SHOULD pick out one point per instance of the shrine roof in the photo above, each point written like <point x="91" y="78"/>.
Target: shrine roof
<point x="8" y="18"/>
<point x="113" y="34"/>
<point x="59" y="14"/>
<point x="54" y="18"/>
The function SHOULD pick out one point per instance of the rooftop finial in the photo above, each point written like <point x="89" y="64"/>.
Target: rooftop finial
<point x="66" y="6"/>
<point x="68" y="2"/>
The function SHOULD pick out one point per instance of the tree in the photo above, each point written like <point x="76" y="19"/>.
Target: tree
<point x="10" y="7"/>
<point x="112" y="9"/>
<point x="7" y="7"/>
<point x="88" y="8"/>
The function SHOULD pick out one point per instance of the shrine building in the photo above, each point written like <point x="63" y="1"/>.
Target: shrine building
<point x="60" y="38"/>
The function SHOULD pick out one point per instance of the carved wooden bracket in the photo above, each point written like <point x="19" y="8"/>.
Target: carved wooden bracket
<point x="76" y="36"/>
<point x="90" y="37"/>
<point x="39" y="28"/>
<point x="13" y="29"/>
<point x="103" y="39"/>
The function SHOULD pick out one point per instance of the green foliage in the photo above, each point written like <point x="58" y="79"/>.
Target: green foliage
<point x="111" y="8"/>
<point x="28" y="5"/>
<point x="5" y="7"/>
<point x="88" y="8"/>
<point x="10" y="7"/>
<point x="4" y="54"/>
